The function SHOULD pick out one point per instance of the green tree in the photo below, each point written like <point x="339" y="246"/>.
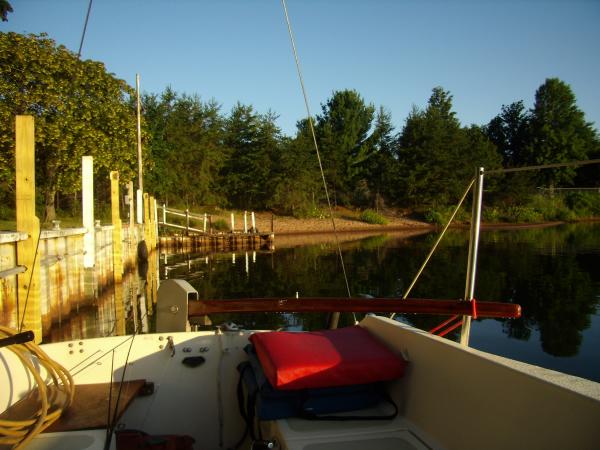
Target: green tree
<point x="297" y="180"/>
<point x="251" y="140"/>
<point x="437" y="157"/>
<point x="509" y="131"/>
<point x="79" y="109"/>
<point x="343" y="132"/>
<point x="5" y="8"/>
<point x="382" y="167"/>
<point x="559" y="132"/>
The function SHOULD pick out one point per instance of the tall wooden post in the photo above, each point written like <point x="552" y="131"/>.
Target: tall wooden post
<point x="117" y="253"/>
<point x="146" y="218"/>
<point x="132" y="241"/>
<point x="87" y="207"/>
<point x="28" y="290"/>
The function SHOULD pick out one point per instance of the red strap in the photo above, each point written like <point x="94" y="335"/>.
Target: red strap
<point x="443" y="324"/>
<point x="474" y="308"/>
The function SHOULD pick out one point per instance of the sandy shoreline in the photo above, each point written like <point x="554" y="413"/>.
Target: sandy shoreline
<point x="281" y="226"/>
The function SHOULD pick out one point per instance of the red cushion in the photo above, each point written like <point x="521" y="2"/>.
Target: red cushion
<point x="345" y="356"/>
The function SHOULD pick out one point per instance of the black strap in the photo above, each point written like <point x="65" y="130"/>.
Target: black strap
<point x="247" y="408"/>
<point x="310" y="416"/>
<point x="241" y="406"/>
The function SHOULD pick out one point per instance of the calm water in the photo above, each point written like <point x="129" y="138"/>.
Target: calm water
<point x="552" y="273"/>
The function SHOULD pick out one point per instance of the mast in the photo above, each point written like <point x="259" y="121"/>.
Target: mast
<point x="473" y="247"/>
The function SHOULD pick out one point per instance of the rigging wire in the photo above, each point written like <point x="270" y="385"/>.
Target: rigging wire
<point x="316" y="145"/>
<point x="87" y="18"/>
<point x="35" y="255"/>
<point x="439" y="239"/>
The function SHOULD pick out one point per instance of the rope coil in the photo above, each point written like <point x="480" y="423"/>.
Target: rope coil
<point x="55" y="395"/>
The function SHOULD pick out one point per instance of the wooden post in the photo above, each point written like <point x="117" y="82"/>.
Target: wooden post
<point x="117" y="246"/>
<point x="139" y="203"/>
<point x="132" y="199"/>
<point x="205" y="222"/>
<point x="187" y="222"/>
<point x="28" y="283"/>
<point x="232" y="223"/>
<point x="155" y="222"/>
<point x="253" y="222"/>
<point x="146" y="217"/>
<point x="87" y="207"/>
<point x="132" y="229"/>
<point x="246" y="222"/>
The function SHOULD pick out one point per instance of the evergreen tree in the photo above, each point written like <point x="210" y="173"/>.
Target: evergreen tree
<point x="186" y="148"/>
<point x="509" y="131"/>
<point x="342" y="131"/>
<point x="559" y="132"/>
<point x="298" y="189"/>
<point x="437" y="157"/>
<point x="381" y="168"/>
<point x="251" y="140"/>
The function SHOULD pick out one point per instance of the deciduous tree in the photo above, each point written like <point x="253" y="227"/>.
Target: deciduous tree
<point x="79" y="109"/>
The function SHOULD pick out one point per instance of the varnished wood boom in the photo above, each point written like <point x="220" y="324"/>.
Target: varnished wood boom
<point x="363" y="305"/>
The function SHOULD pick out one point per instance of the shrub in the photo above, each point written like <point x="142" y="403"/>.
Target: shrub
<point x="372" y="217"/>
<point x="220" y="225"/>
<point x="584" y="204"/>
<point x="492" y="214"/>
<point x="523" y="214"/>
<point x="441" y="214"/>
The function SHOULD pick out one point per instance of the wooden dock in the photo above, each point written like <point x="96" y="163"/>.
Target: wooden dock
<point x="217" y="242"/>
<point x="195" y="232"/>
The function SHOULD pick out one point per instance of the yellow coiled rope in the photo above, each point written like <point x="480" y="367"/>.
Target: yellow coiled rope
<point x="55" y="393"/>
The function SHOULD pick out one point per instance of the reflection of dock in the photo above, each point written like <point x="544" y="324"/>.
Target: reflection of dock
<point x="216" y="242"/>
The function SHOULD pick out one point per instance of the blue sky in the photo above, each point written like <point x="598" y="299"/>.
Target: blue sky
<point x="486" y="53"/>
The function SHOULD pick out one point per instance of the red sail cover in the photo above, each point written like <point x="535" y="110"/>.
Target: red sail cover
<point x="315" y="359"/>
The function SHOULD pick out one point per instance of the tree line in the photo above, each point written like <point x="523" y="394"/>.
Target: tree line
<point x="195" y="154"/>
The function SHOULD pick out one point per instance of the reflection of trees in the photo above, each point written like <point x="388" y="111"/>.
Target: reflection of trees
<point x="543" y="270"/>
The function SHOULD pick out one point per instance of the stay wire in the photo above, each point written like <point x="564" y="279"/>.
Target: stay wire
<point x="35" y="255"/>
<point x="316" y="145"/>
<point x="437" y="242"/>
<point x="87" y="18"/>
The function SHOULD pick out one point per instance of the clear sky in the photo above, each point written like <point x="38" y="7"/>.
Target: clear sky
<point x="393" y="52"/>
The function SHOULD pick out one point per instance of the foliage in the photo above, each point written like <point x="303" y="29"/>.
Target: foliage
<point x="79" y="109"/>
<point x="220" y="225"/>
<point x="559" y="132"/>
<point x="5" y="8"/>
<point x="440" y="214"/>
<point x="186" y="149"/>
<point x="342" y="132"/>
<point x="437" y="157"/>
<point x="372" y="217"/>
<point x="584" y="204"/>
<point x="251" y="140"/>
<point x="510" y="132"/>
<point x="381" y="168"/>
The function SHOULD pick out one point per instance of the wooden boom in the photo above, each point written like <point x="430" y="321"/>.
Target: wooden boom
<point x="363" y="305"/>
